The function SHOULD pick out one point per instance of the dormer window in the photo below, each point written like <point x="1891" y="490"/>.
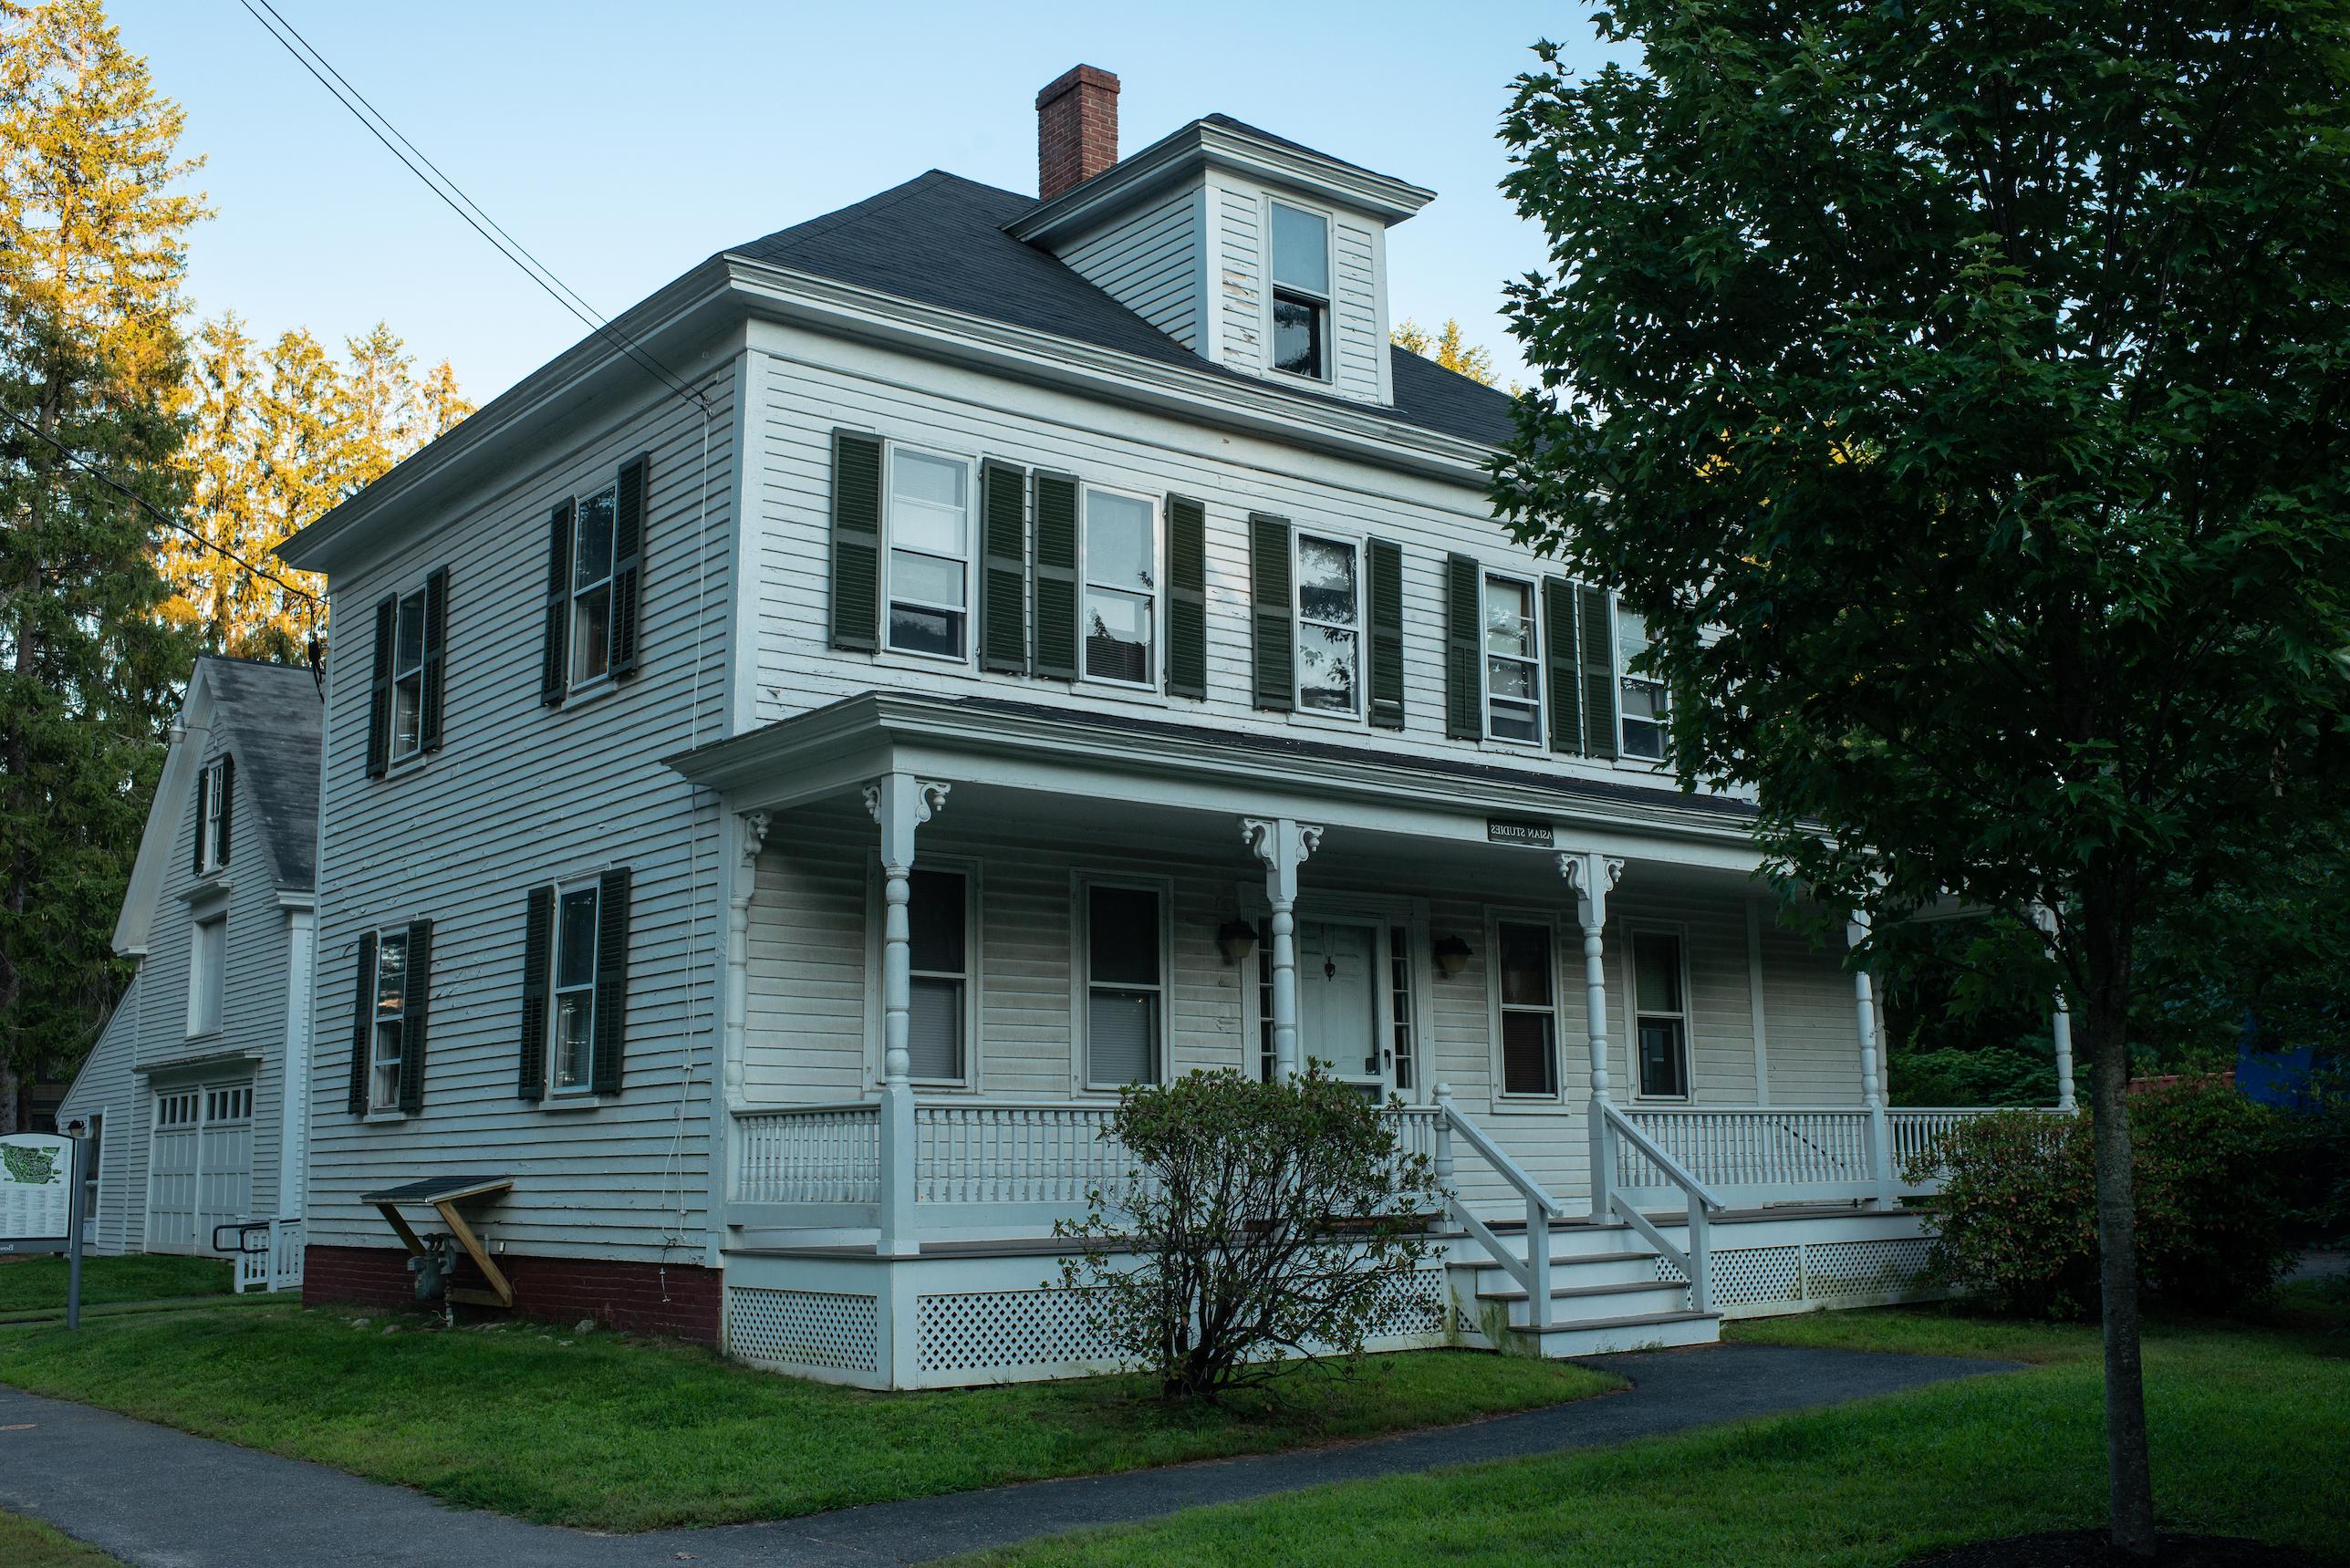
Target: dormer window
<point x="1301" y="292"/>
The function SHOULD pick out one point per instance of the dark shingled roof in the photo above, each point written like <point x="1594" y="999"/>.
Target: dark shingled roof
<point x="270" y="717"/>
<point x="939" y="239"/>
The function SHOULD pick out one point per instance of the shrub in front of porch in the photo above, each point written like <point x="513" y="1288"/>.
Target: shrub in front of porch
<point x="1257" y="1222"/>
<point x="2014" y="1227"/>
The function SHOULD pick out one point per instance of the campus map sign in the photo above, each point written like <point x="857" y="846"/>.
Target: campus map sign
<point x="35" y="1192"/>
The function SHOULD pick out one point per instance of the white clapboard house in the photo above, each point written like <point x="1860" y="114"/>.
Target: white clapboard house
<point x="1032" y="646"/>
<point x="184" y="1095"/>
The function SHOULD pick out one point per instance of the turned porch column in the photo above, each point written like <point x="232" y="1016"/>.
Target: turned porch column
<point x="1282" y="843"/>
<point x="2059" y="1024"/>
<point x="899" y="802"/>
<point x="1593" y="876"/>
<point x="1872" y="1086"/>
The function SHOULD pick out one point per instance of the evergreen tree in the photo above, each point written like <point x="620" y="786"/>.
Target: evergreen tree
<point x="93" y="220"/>
<point x="279" y="437"/>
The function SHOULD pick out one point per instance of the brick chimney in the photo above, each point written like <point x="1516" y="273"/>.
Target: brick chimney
<point x="1077" y="129"/>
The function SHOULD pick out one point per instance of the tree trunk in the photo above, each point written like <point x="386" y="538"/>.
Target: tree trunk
<point x="2130" y="1480"/>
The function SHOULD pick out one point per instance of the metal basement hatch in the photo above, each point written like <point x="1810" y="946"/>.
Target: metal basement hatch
<point x="441" y="1194"/>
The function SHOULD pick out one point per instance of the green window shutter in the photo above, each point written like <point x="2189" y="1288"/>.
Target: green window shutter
<point x="1187" y="596"/>
<point x="554" y="657"/>
<point x="855" y="539"/>
<point x="1274" y="625"/>
<point x="1003" y="568"/>
<point x="379" y="753"/>
<point x="415" y="1001"/>
<point x="537" y="963"/>
<point x="227" y="808"/>
<point x="628" y="566"/>
<point x="1384" y="567"/>
<point x="1561" y="665"/>
<point x="1465" y="658"/>
<point x="611" y="979"/>
<point x="1599" y="673"/>
<point x="1054" y="570"/>
<point x="363" y="1024"/>
<point x="436" y="640"/>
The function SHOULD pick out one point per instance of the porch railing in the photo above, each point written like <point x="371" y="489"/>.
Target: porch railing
<point x="1005" y="1166"/>
<point x="1699" y="1203"/>
<point x="1531" y="1270"/>
<point x="269" y="1256"/>
<point x="1755" y="1155"/>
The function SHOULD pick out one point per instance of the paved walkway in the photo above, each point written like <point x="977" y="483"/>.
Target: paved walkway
<point x="155" y="1496"/>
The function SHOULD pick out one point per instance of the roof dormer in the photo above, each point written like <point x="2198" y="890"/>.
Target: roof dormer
<point x="1252" y="251"/>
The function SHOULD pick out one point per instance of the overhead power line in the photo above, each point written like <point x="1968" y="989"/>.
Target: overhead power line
<point x="154" y="511"/>
<point x="308" y="55"/>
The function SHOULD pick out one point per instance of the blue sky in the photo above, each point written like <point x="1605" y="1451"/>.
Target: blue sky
<point x="622" y="143"/>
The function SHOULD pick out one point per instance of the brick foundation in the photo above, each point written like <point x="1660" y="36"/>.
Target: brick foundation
<point x="682" y="1302"/>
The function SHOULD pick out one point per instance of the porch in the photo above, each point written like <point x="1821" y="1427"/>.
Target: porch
<point x="923" y="1043"/>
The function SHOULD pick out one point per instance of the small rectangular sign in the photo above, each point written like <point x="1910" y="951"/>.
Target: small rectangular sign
<point x="1531" y="835"/>
<point x="35" y="1192"/>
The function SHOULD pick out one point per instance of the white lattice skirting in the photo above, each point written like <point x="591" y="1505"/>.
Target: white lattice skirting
<point x="797" y="1331"/>
<point x="1825" y="1273"/>
<point x="1024" y="1333"/>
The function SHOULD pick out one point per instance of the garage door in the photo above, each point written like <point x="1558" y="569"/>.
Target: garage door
<point x="199" y="1165"/>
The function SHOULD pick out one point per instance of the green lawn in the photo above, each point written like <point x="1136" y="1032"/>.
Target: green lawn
<point x="606" y="1432"/>
<point x="2251" y="1426"/>
<point x="30" y="1543"/>
<point x="38" y="1285"/>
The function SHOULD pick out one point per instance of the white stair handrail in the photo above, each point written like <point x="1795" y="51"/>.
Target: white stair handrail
<point x="1532" y="1271"/>
<point x="1696" y="1261"/>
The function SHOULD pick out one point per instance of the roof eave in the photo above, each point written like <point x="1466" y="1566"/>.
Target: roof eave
<point x="669" y="315"/>
<point x="1199" y="145"/>
<point x="1200" y="393"/>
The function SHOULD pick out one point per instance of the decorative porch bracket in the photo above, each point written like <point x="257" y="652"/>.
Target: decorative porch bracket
<point x="901" y="803"/>
<point x="1283" y="845"/>
<point x="1593" y="876"/>
<point x="1872" y="1086"/>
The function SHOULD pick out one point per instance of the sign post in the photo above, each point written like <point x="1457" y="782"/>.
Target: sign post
<point x="40" y="1204"/>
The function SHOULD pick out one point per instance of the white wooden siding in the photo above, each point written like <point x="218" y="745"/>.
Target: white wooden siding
<point x="1153" y="262"/>
<point x="521" y="796"/>
<point x="813" y="1032"/>
<point x="807" y="386"/>
<point x="1240" y="291"/>
<point x="105" y="1086"/>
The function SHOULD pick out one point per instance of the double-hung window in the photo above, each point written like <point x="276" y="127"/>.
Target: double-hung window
<point x="207" y="959"/>
<point x="408" y="674"/>
<point x="1121" y="587"/>
<point x="1512" y="662"/>
<point x="1329" y="624"/>
<point x="929" y="590"/>
<point x="1660" y="1006"/>
<point x="212" y="823"/>
<point x="1645" y="701"/>
<point x="1301" y="292"/>
<point x="572" y="1065"/>
<point x="591" y="585"/>
<point x="1529" y="1008"/>
<point x="939" y="1025"/>
<point x="1125" y="985"/>
<point x="388" y="1039"/>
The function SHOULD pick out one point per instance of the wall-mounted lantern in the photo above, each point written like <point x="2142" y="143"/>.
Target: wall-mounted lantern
<point x="1452" y="955"/>
<point x="1235" y="938"/>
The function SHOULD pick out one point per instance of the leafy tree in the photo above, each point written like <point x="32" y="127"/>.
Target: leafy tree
<point x="1254" y="1222"/>
<point x="93" y="222"/>
<point x="1959" y="393"/>
<point x="1449" y="347"/>
<point x="279" y="437"/>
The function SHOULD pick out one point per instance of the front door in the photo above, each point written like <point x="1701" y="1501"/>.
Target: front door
<point x="1341" y="1006"/>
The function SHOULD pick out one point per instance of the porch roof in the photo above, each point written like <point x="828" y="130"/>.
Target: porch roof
<point x="993" y="742"/>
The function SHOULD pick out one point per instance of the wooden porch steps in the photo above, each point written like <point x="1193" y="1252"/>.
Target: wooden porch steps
<point x="1608" y="1335"/>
